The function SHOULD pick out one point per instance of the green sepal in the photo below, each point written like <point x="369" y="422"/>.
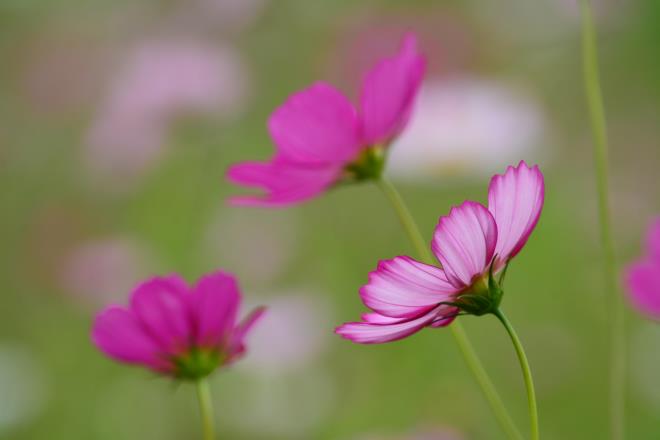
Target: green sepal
<point x="483" y="297"/>
<point x="197" y="363"/>
<point x="368" y="166"/>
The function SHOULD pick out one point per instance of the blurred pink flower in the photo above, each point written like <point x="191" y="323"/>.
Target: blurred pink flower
<point x="160" y="81"/>
<point x="643" y="276"/>
<point x="407" y="295"/>
<point x="321" y="137"/>
<point x="97" y="272"/>
<point x="465" y="125"/>
<point x="177" y="330"/>
<point x="290" y="337"/>
<point x="370" y="34"/>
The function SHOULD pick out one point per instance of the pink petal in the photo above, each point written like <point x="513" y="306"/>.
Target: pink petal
<point x="450" y="313"/>
<point x="215" y="302"/>
<point x="161" y="307"/>
<point x="377" y="318"/>
<point x="643" y="282"/>
<point x="464" y="242"/>
<point x="237" y="343"/>
<point x="378" y="333"/>
<point x="316" y="125"/>
<point x="389" y="91"/>
<point x="653" y="239"/>
<point x="284" y="183"/>
<point x="118" y="333"/>
<point x="515" y="199"/>
<point x="404" y="288"/>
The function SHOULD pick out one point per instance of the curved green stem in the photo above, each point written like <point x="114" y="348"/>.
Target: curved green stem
<point x="205" y="408"/>
<point x="462" y="340"/>
<point x="599" y="133"/>
<point x="527" y="374"/>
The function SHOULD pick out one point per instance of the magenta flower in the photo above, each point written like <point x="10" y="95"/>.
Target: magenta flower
<point x="177" y="330"/>
<point x="473" y="244"/>
<point x="643" y="276"/>
<point x="322" y="139"/>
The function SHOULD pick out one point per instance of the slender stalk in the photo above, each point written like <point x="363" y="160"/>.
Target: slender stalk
<point x="599" y="132"/>
<point x="205" y="408"/>
<point x="527" y="374"/>
<point x="464" y="344"/>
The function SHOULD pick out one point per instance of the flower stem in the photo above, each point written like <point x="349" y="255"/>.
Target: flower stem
<point x="464" y="344"/>
<point x="527" y="374"/>
<point x="599" y="132"/>
<point x="205" y="408"/>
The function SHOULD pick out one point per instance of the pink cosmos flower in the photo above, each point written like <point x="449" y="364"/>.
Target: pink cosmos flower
<point x="643" y="276"/>
<point x="177" y="330"/>
<point x="472" y="243"/>
<point x="321" y="138"/>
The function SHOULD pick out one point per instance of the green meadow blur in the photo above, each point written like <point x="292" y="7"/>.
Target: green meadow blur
<point x="54" y="384"/>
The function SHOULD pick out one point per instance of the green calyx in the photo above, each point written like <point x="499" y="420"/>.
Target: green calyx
<point x="368" y="166"/>
<point x="483" y="296"/>
<point x="197" y="363"/>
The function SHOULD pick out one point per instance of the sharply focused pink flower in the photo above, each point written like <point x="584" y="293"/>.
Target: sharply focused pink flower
<point x="472" y="243"/>
<point x="321" y="138"/>
<point x="177" y="330"/>
<point x="643" y="276"/>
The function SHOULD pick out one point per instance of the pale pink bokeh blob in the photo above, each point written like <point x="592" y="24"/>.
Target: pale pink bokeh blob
<point x="159" y="81"/>
<point x="292" y="336"/>
<point x="101" y="271"/>
<point x="467" y="126"/>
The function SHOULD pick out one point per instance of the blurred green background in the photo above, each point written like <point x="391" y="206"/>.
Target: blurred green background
<point x="118" y="120"/>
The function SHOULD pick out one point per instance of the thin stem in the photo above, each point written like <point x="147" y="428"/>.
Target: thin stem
<point x="205" y="408"/>
<point x="527" y="374"/>
<point x="462" y="340"/>
<point x="599" y="132"/>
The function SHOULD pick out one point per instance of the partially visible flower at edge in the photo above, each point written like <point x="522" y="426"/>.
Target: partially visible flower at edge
<point x="642" y="278"/>
<point x="173" y="329"/>
<point x="322" y="139"/>
<point x="473" y="244"/>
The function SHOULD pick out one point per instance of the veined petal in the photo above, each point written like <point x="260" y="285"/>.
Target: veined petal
<point x="643" y="281"/>
<point x="316" y="125"/>
<point x="377" y="318"/>
<point x="404" y="288"/>
<point x="284" y="183"/>
<point x="515" y="199"/>
<point x="118" y="334"/>
<point x="653" y="239"/>
<point x="161" y="306"/>
<point x="378" y="331"/>
<point x="215" y="301"/>
<point x="464" y="242"/>
<point x="389" y="91"/>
